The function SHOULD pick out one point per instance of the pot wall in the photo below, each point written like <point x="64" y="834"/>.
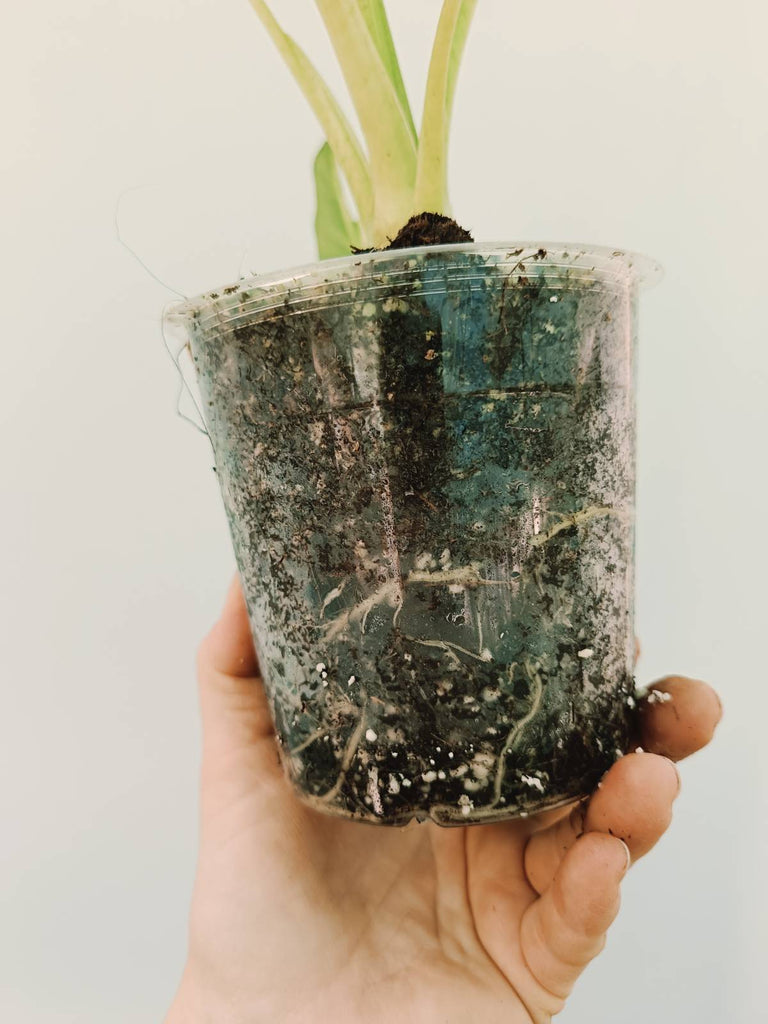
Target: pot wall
<point x="427" y="461"/>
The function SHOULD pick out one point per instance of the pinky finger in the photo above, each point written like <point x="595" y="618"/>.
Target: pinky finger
<point x="565" y="928"/>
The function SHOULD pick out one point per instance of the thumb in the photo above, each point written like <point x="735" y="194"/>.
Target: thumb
<point x="238" y="735"/>
<point x="565" y="928"/>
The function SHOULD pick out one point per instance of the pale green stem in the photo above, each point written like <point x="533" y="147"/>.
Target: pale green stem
<point x="375" y="15"/>
<point x="341" y="137"/>
<point x="391" y="147"/>
<point x="431" y="192"/>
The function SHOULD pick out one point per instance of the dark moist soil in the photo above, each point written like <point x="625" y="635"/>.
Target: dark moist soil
<point x="429" y="229"/>
<point x="426" y="229"/>
<point x="430" y="497"/>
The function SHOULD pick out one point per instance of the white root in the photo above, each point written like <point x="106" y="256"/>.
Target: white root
<point x="575" y="519"/>
<point x="349" y="755"/>
<point x="517" y="728"/>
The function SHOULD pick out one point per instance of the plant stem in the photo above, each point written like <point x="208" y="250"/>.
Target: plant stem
<point x="431" y="192"/>
<point x="391" y="147"/>
<point x="341" y="137"/>
<point x="375" y="15"/>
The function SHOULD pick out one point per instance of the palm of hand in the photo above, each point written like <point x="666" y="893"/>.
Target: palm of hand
<point x="301" y="917"/>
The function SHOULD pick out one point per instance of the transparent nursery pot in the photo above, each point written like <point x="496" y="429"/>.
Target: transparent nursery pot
<point x="427" y="459"/>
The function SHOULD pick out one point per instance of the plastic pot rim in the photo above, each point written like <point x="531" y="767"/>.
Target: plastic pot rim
<point x="604" y="262"/>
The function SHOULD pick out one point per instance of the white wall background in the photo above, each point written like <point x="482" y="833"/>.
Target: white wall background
<point x="635" y="124"/>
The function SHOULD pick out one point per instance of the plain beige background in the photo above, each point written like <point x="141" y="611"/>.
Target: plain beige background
<point x="632" y="124"/>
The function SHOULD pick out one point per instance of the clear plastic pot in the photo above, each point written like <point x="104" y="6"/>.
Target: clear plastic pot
<point x="427" y="461"/>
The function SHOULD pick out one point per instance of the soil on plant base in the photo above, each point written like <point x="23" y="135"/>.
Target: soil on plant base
<point x="424" y="229"/>
<point x="429" y="229"/>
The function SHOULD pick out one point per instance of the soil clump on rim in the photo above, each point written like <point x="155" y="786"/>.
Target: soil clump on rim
<point x="425" y="229"/>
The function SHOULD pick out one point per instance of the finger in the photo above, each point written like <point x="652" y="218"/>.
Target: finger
<point x="674" y="730"/>
<point x="675" y="718"/>
<point x="235" y="712"/>
<point x="545" y="848"/>
<point x="228" y="647"/>
<point x="678" y="716"/>
<point x="633" y="802"/>
<point x="565" y="928"/>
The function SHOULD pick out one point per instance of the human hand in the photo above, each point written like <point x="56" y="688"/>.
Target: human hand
<point x="300" y="917"/>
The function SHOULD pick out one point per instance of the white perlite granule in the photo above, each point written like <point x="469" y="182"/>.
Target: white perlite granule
<point x="533" y="781"/>
<point x="373" y="789"/>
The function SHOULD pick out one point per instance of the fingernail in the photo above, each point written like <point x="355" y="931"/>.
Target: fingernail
<point x="677" y="773"/>
<point x="720" y="705"/>
<point x="629" y="857"/>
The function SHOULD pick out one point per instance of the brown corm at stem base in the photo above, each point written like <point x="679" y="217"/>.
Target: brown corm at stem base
<point x="429" y="229"/>
<point x="425" y="229"/>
